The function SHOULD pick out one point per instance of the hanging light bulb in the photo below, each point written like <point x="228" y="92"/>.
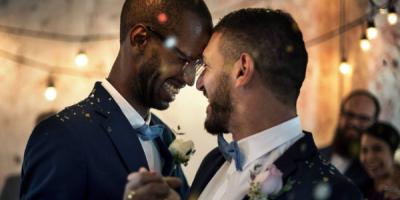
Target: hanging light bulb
<point x="81" y="59"/>
<point x="364" y="43"/>
<point x="392" y="16"/>
<point x="51" y="91"/>
<point x="372" y="32"/>
<point x="344" y="67"/>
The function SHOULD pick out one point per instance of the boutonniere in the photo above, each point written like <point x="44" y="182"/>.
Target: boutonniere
<point x="266" y="183"/>
<point x="182" y="151"/>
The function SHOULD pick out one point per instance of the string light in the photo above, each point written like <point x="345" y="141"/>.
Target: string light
<point x="372" y="32"/>
<point x="392" y="16"/>
<point x="383" y="11"/>
<point x="51" y="91"/>
<point x="58" y="36"/>
<point x="81" y="59"/>
<point x="344" y="67"/>
<point x="365" y="43"/>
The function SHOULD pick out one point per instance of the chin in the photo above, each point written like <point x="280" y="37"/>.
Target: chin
<point x="161" y="106"/>
<point x="214" y="128"/>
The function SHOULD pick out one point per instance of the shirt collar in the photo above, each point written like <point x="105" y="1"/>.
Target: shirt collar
<point x="261" y="143"/>
<point x="127" y="109"/>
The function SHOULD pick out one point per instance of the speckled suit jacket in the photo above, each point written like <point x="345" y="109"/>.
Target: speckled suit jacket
<point x="305" y="172"/>
<point x="86" y="152"/>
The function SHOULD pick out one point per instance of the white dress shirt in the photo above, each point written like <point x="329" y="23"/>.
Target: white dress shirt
<point x="136" y="121"/>
<point x="340" y="162"/>
<point x="262" y="148"/>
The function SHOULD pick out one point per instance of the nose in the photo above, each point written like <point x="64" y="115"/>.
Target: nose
<point x="200" y="83"/>
<point x="189" y="76"/>
<point x="368" y="156"/>
<point x="354" y="122"/>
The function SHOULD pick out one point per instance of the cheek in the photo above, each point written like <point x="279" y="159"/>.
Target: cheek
<point x="342" y="122"/>
<point x="362" y="157"/>
<point x="387" y="161"/>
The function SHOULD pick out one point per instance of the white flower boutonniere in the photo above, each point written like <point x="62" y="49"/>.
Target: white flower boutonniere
<point x="263" y="184"/>
<point x="182" y="150"/>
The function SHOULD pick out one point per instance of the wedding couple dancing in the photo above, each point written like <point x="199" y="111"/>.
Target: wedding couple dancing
<point x="251" y="71"/>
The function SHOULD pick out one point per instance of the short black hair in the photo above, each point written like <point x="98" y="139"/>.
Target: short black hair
<point x="365" y="93"/>
<point x="147" y="11"/>
<point x="276" y="44"/>
<point x="385" y="132"/>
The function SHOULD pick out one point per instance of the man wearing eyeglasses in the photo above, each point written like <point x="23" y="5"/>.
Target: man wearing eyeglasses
<point x="87" y="150"/>
<point x="359" y="110"/>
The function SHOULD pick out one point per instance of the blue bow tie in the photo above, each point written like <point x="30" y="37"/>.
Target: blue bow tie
<point x="147" y="132"/>
<point x="230" y="151"/>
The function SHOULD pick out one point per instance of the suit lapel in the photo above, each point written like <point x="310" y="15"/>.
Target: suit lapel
<point x="121" y="133"/>
<point x="162" y="144"/>
<point x="206" y="172"/>
<point x="300" y="151"/>
<point x="166" y="156"/>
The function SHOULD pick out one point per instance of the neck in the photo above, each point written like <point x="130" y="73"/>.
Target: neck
<point x="122" y="85"/>
<point x="256" y="114"/>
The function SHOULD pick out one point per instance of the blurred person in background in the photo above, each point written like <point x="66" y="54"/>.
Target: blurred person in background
<point x="378" y="145"/>
<point x="359" y="110"/>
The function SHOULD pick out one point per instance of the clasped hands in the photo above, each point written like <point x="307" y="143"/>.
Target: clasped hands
<point x="148" y="185"/>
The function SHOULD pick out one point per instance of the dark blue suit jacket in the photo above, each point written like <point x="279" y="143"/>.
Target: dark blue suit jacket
<point x="86" y="152"/>
<point x="301" y="164"/>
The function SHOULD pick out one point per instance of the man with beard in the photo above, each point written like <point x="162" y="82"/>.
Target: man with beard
<point x="359" y="110"/>
<point x="254" y="66"/>
<point x="87" y="150"/>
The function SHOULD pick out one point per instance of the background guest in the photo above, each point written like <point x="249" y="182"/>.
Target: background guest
<point x="378" y="144"/>
<point x="359" y="110"/>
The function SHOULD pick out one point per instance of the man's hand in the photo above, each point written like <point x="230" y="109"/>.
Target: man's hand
<point x="145" y="185"/>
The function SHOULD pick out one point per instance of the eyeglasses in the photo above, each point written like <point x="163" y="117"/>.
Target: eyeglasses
<point x="360" y="117"/>
<point x="191" y="66"/>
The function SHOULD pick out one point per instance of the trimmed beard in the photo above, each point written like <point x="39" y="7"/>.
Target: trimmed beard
<point x="144" y="86"/>
<point x="346" y="146"/>
<point x="221" y="108"/>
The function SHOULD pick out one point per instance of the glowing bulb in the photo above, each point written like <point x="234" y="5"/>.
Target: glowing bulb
<point x="364" y="43"/>
<point x="345" y="68"/>
<point x="383" y="11"/>
<point x="372" y="32"/>
<point x="50" y="93"/>
<point x="392" y="18"/>
<point x="81" y="59"/>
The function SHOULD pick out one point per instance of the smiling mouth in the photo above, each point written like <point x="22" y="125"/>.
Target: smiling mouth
<point x="171" y="89"/>
<point x="372" y="166"/>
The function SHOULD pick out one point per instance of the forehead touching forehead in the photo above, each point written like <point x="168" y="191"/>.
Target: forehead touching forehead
<point x="148" y="12"/>
<point x="192" y="34"/>
<point x="212" y="49"/>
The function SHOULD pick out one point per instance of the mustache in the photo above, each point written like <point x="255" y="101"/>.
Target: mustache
<point x="352" y="127"/>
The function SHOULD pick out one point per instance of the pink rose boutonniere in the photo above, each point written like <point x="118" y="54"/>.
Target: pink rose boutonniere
<point x="263" y="184"/>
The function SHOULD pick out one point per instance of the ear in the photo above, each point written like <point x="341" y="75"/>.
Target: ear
<point x="244" y="70"/>
<point x="138" y="36"/>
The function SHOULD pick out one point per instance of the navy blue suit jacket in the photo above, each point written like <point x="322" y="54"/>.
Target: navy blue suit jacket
<point x="301" y="164"/>
<point x="86" y="152"/>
